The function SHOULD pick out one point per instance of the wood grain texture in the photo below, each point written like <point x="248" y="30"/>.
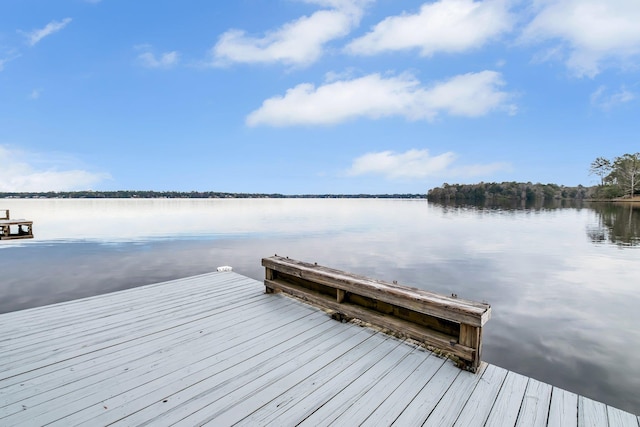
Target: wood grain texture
<point x="563" y="410"/>
<point x="454" y="309"/>
<point x="478" y="407"/>
<point x="447" y="323"/>
<point x="534" y="410"/>
<point x="591" y="413"/>
<point x="433" y="338"/>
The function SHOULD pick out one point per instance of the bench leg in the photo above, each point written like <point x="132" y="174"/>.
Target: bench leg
<point x="471" y="336"/>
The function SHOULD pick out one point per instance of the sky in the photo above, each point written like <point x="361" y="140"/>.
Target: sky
<point x="314" y="96"/>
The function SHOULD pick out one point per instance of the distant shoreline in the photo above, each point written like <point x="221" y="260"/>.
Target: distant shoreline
<point x="194" y="195"/>
<point x="464" y="193"/>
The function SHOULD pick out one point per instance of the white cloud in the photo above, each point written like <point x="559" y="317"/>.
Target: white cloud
<point x="374" y="96"/>
<point x="442" y="26"/>
<point x="418" y="164"/>
<point x="52" y="27"/>
<point x="17" y="175"/>
<point x="299" y="42"/>
<point x="10" y="56"/>
<point x="35" y="94"/>
<point x="166" y="60"/>
<point x="411" y="164"/>
<point x="591" y="34"/>
<point x="606" y="100"/>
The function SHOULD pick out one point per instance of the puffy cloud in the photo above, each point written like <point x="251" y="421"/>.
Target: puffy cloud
<point x="590" y="34"/>
<point x="418" y="164"/>
<point x="52" y="27"/>
<point x="374" y="96"/>
<point x="300" y="42"/>
<point x="17" y="175"/>
<point x="605" y="100"/>
<point x="442" y="26"/>
<point x="166" y="60"/>
<point x="411" y="164"/>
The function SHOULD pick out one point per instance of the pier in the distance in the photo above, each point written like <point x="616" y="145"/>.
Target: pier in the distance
<point x="14" y="228"/>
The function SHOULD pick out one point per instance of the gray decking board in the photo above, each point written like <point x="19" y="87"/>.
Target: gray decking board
<point x="214" y="349"/>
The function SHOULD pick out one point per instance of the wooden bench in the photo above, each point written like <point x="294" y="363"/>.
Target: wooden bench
<point x="450" y="325"/>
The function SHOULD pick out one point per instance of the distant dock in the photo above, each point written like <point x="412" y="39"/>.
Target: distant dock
<point x="14" y="228"/>
<point x="216" y="349"/>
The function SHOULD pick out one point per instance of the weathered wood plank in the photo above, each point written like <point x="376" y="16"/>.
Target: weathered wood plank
<point x="453" y="309"/>
<point x="507" y="405"/>
<point x="97" y="329"/>
<point x="387" y="412"/>
<point x="433" y="338"/>
<point x="93" y="360"/>
<point x="150" y="385"/>
<point x="396" y="351"/>
<point x="37" y="374"/>
<point x="620" y="418"/>
<point x="208" y="399"/>
<point x="360" y="409"/>
<point x="43" y="319"/>
<point x="71" y="348"/>
<point x="447" y="323"/>
<point x="82" y="325"/>
<point x="301" y="400"/>
<point x="470" y="335"/>
<point x="447" y="410"/>
<point x="360" y="387"/>
<point x="563" y="411"/>
<point x="534" y="410"/>
<point x="591" y="413"/>
<point x="141" y="407"/>
<point x="478" y="406"/>
<point x="106" y="368"/>
<point x="422" y="404"/>
<point x="101" y="303"/>
<point x="457" y="310"/>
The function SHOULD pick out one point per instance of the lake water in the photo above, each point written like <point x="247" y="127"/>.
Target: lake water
<point x="563" y="281"/>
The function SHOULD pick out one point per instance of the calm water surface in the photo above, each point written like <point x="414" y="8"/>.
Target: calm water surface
<point x="563" y="282"/>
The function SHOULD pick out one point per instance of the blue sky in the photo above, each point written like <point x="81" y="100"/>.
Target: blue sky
<point x="313" y="96"/>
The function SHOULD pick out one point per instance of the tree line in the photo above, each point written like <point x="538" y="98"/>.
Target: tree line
<point x="493" y="192"/>
<point x="142" y="194"/>
<point x="619" y="177"/>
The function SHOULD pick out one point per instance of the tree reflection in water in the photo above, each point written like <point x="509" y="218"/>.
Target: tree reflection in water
<point x="618" y="223"/>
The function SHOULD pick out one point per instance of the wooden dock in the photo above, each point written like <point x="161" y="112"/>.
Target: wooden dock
<point x="216" y="349"/>
<point x="14" y="228"/>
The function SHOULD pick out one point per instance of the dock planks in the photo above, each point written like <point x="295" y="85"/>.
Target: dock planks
<point x="214" y="349"/>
